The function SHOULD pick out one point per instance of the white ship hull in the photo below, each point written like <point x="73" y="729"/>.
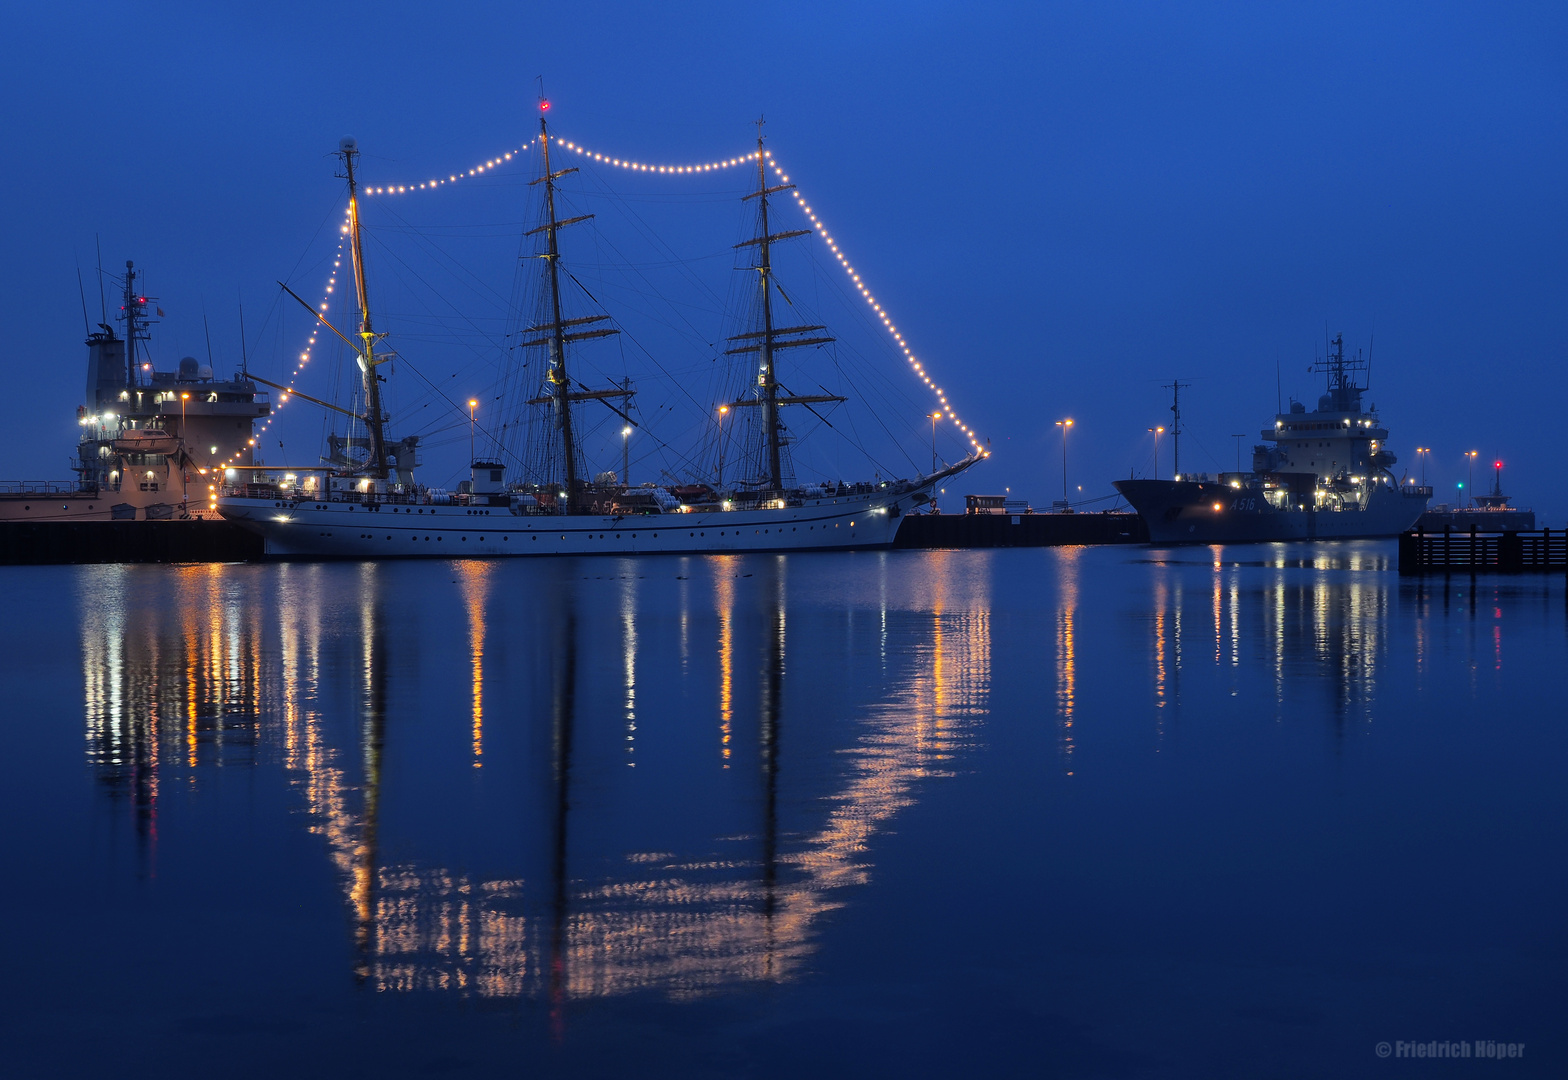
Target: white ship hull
<point x="382" y="530"/>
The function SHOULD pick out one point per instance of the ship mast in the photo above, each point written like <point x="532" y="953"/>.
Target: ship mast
<point x="348" y="151"/>
<point x="558" y="378"/>
<point x="560" y="394"/>
<point x="768" y="340"/>
<point x="770" y="385"/>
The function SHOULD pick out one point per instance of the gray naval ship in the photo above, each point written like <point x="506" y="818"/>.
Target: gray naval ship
<point x="1320" y="475"/>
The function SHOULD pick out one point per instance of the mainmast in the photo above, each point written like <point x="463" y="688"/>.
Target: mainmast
<point x="348" y="150"/>
<point x="560" y="393"/>
<point x="769" y="339"/>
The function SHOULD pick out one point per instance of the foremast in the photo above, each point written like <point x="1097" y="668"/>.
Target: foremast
<point x="772" y="338"/>
<point x="348" y="150"/>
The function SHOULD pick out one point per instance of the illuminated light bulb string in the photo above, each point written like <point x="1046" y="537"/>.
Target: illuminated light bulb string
<point x="827" y="238"/>
<point x="310" y="345"/>
<point x="876" y="306"/>
<point x="481" y="169"/>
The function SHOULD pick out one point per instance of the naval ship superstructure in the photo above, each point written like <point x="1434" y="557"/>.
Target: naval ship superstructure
<point x="563" y="507"/>
<point x="151" y="442"/>
<point x="1319" y="475"/>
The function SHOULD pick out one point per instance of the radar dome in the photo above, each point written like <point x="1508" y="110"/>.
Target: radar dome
<point x="188" y="368"/>
<point x="347" y="144"/>
<point x="205" y="372"/>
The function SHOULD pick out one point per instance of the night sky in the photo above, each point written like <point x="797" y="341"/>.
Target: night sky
<point x="1063" y="206"/>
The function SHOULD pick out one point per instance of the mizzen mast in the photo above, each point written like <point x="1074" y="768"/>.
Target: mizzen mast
<point x="348" y="150"/>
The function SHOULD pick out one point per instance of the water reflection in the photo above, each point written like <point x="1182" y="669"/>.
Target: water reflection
<point x="1329" y="627"/>
<point x="318" y="673"/>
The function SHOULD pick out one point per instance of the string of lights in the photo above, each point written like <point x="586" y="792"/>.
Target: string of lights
<point x="876" y="306"/>
<point x="304" y="356"/>
<point x="645" y="167"/>
<point x="487" y="166"/>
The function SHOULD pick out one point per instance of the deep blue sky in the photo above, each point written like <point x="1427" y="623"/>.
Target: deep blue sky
<point x="1064" y="205"/>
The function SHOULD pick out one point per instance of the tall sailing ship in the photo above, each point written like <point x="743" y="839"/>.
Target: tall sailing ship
<point x="365" y="509"/>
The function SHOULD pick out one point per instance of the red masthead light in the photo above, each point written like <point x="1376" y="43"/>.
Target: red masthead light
<point x="544" y="106"/>
<point x="1497" y="464"/>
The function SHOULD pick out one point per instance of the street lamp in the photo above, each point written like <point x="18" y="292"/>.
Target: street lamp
<point x="1421" y="455"/>
<point x="473" y="404"/>
<point x="184" y="475"/>
<point x="934" y="418"/>
<point x="1064" y="425"/>
<point x="1472" y="455"/>
<point x="723" y="412"/>
<point x="1156" y="432"/>
<point x="626" y="455"/>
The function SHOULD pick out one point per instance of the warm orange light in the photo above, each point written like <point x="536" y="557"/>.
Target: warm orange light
<point x="473" y="404"/>
<point x="1217" y="508"/>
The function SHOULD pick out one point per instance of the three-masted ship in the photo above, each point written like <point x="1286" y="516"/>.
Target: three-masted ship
<point x="365" y="509"/>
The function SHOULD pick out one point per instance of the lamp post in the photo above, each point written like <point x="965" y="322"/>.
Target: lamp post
<point x="473" y="404"/>
<point x="1064" y="425"/>
<point x="724" y="411"/>
<point x="1156" y="432"/>
<point x="1421" y="454"/>
<point x="1472" y="455"/>
<point x="626" y="455"/>
<point x="185" y="395"/>
<point x="934" y="418"/>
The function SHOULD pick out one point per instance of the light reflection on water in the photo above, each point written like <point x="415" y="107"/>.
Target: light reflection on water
<point x="567" y="781"/>
<point x="249" y="664"/>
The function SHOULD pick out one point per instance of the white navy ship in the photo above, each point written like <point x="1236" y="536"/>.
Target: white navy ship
<point x="1319" y="475"/>
<point x="554" y="502"/>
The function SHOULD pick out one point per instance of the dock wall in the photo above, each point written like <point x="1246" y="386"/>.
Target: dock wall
<point x="53" y="542"/>
<point x="1018" y="530"/>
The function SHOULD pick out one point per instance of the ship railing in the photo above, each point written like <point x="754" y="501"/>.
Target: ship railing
<point x="48" y="487"/>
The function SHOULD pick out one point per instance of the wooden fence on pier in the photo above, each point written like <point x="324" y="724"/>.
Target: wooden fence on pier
<point x="1476" y="552"/>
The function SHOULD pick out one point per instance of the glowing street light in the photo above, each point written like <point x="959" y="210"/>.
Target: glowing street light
<point x="626" y="455"/>
<point x="723" y="412"/>
<point x="1064" y="425"/>
<point x="1421" y="455"/>
<point x="1156" y="432"/>
<point x="473" y="404"/>
<point x="934" y="417"/>
<point x="1472" y="455"/>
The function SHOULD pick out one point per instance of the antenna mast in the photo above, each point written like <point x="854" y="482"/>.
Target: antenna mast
<point x="1176" y="386"/>
<point x="348" y="150"/>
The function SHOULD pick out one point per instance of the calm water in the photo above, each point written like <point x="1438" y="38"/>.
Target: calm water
<point x="1094" y="812"/>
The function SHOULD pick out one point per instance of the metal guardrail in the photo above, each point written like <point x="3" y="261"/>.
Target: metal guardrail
<point x="46" y="487"/>
<point x="1478" y="552"/>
